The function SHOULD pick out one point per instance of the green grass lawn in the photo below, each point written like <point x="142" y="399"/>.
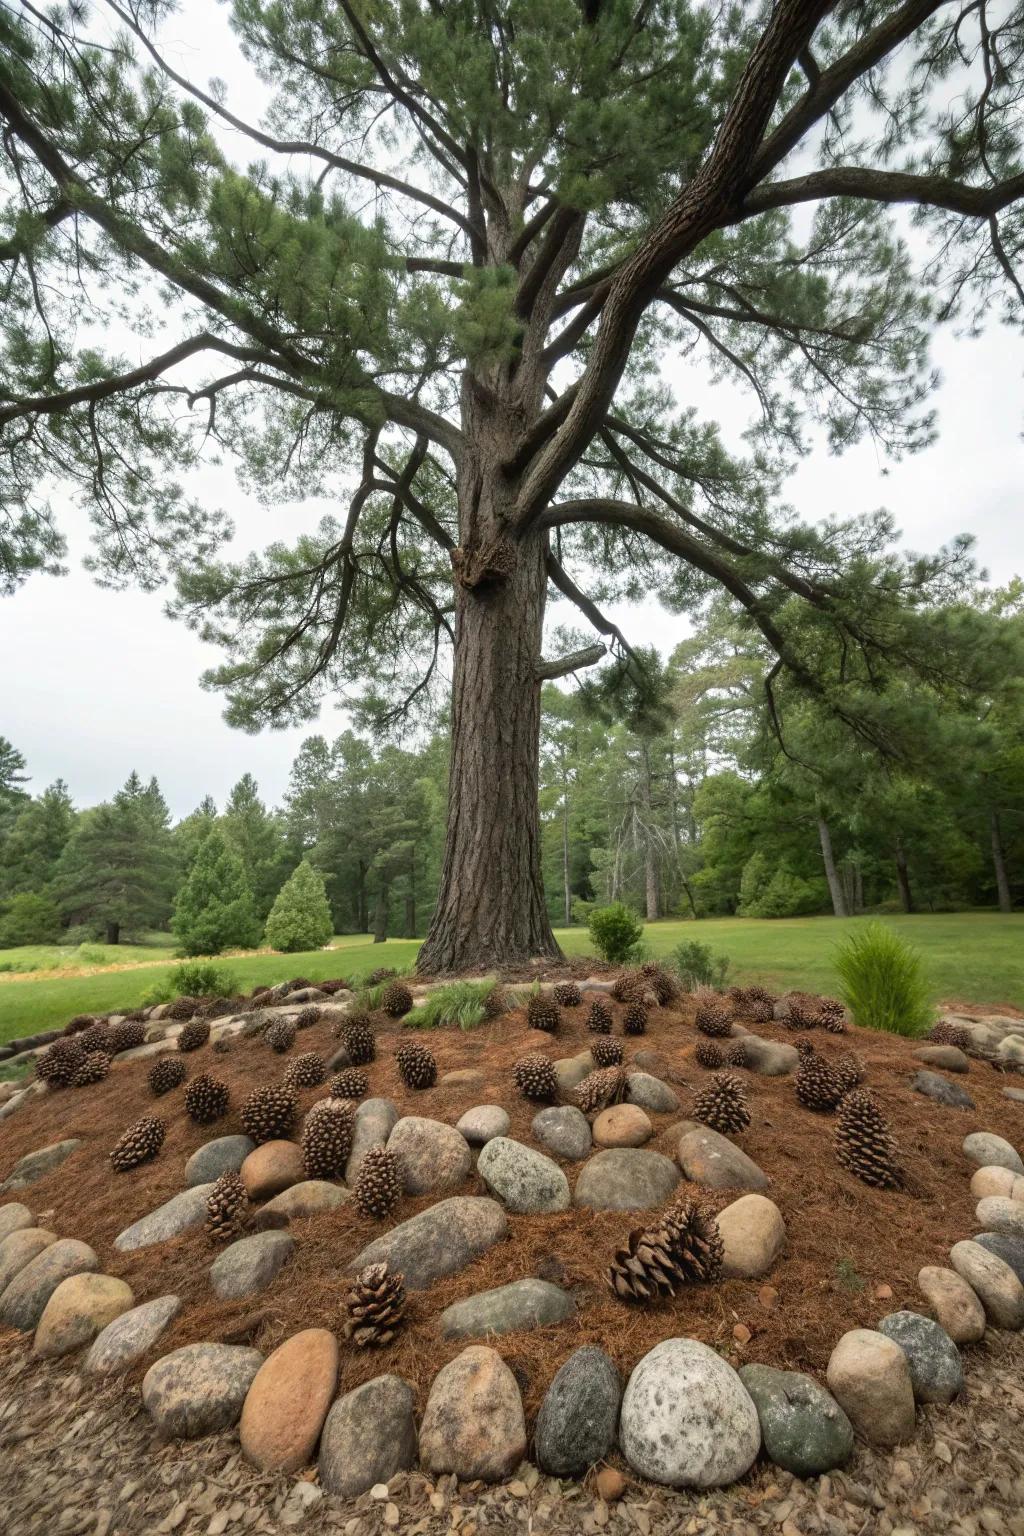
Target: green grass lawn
<point x="969" y="956"/>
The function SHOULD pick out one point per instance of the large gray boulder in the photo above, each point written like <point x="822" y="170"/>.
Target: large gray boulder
<point x="225" y="1154"/>
<point x="626" y="1179"/>
<point x="36" y="1165"/>
<point x="988" y="1150"/>
<point x="687" y="1420"/>
<point x="250" y="1265"/>
<point x="710" y="1159"/>
<point x="369" y="1436"/>
<point x="433" y="1156"/>
<point x="439" y="1241"/>
<point x="523" y="1304"/>
<point x="524" y="1180"/>
<point x="199" y="1389"/>
<point x="579" y="1415"/>
<point x="936" y="1370"/>
<point x="179" y="1214"/>
<point x="130" y="1336"/>
<point x="564" y="1130"/>
<point x="803" y="1428"/>
<point x="24" y="1300"/>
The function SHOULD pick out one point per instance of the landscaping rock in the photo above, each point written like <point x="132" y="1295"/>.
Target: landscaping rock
<point x="480" y="1125"/>
<point x="369" y="1436"/>
<point x="25" y="1298"/>
<point x="13" y="1217"/>
<point x="461" y="1077"/>
<point x="271" y="1168"/>
<point x="309" y="1198"/>
<point x="949" y="1058"/>
<point x="651" y="1093"/>
<point x="999" y="1214"/>
<point x="941" y="1090"/>
<point x="622" y="1125"/>
<point x="754" y="1235"/>
<point x="287" y="1403"/>
<point x="869" y="1376"/>
<point x="433" y="1156"/>
<point x="687" y="1420"/>
<point x="626" y="1179"/>
<point x="989" y="1150"/>
<point x="179" y="1214"/>
<point x="717" y="1163"/>
<point x="936" y="1370"/>
<point x="772" y="1058"/>
<point x="994" y="1181"/>
<point x="523" y="1304"/>
<point x="1017" y="1094"/>
<point x="526" y="1181"/>
<point x="130" y="1336"/>
<point x="36" y="1165"/>
<point x="565" y="1131"/>
<point x="439" y="1241"/>
<point x="79" y="1309"/>
<point x="252" y="1264"/>
<point x="199" y="1389"/>
<point x="579" y="1416"/>
<point x="375" y="1120"/>
<point x="996" y="1285"/>
<point x="20" y="1249"/>
<point x="955" y="1304"/>
<point x="1010" y="1051"/>
<point x="473" y="1424"/>
<point x="571" y="1070"/>
<point x="1009" y="1249"/>
<point x="803" y="1428"/>
<point x="225" y="1154"/>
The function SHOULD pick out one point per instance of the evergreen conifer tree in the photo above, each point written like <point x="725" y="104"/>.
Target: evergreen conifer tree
<point x="301" y="915"/>
<point x="214" y="909"/>
<point x="257" y="838"/>
<point x="116" y="872"/>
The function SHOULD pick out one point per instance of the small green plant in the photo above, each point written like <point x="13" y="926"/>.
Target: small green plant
<point x="159" y="992"/>
<point x="616" y="931"/>
<point x="369" y="998"/>
<point x="90" y="954"/>
<point x="848" y="1277"/>
<point x="883" y="983"/>
<point x="201" y="978"/>
<point x="699" y="966"/>
<point x="462" y="1003"/>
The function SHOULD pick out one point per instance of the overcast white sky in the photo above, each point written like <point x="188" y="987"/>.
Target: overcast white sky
<point x="96" y="683"/>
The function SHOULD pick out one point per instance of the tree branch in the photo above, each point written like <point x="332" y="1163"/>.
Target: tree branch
<point x="886" y="187"/>
<point x="576" y="661"/>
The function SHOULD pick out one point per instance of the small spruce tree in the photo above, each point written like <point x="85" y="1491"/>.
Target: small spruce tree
<point x="301" y="915"/>
<point x="214" y="909"/>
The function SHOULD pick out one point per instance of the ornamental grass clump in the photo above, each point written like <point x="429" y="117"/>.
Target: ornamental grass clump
<point x="883" y="982"/>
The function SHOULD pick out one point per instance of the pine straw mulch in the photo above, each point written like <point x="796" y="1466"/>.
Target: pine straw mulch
<point x="846" y="1242"/>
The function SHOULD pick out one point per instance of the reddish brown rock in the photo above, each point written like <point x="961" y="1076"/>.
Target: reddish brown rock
<point x="274" y="1167"/>
<point x="473" y="1424"/>
<point x="288" y="1402"/>
<point x="622" y="1125"/>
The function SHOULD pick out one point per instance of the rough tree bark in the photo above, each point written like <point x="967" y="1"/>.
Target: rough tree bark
<point x="835" y="885"/>
<point x="566" y="882"/>
<point x="653" y="895"/>
<point x="113" y="933"/>
<point x="903" y="878"/>
<point x="999" y="863"/>
<point x="380" y="916"/>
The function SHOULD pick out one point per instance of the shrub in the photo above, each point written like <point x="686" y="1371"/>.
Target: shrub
<point x="786" y="895"/>
<point x="29" y="918"/>
<point x="461" y="1003"/>
<point x="882" y="981"/>
<point x="198" y="978"/>
<point x="616" y="931"/>
<point x="157" y="992"/>
<point x="753" y="883"/>
<point x="699" y="966"/>
<point x="214" y="909"/>
<point x="301" y="915"/>
<point x="581" y="909"/>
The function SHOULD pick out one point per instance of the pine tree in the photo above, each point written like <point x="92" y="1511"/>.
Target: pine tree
<point x="257" y="839"/>
<point x="301" y="915"/>
<point x="214" y="909"/>
<point x="12" y="777"/>
<point x="116" y="873"/>
<point x="192" y="831"/>
<point x="37" y="839"/>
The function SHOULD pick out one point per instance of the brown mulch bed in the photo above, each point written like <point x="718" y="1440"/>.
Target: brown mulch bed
<point x="846" y="1241"/>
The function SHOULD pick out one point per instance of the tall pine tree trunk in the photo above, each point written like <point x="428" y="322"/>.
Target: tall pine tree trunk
<point x="651" y="891"/>
<point x="903" y="878"/>
<point x="380" y="916"/>
<point x="566" y="882"/>
<point x="113" y="933"/>
<point x="999" y="863"/>
<point x="363" y="914"/>
<point x="835" y="885"/>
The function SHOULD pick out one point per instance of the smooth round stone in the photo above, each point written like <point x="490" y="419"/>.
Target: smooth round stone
<point x="993" y="1181"/>
<point x="252" y="1264"/>
<point x="19" y="1249"/>
<point x="579" y="1415"/>
<point x="626" y="1179"/>
<point x="25" y="1298"/>
<point x="79" y="1309"/>
<point x="955" y="1304"/>
<point x="687" y="1420"/>
<point x="179" y="1214"/>
<point x="651" y="1093"/>
<point x="13" y="1217"/>
<point x="461" y="1077"/>
<point x="271" y="1168"/>
<point x="715" y="1162"/>
<point x="473" y="1423"/>
<point x="433" y="1156"/>
<point x="482" y="1123"/>
<point x="129" y="1336"/>
<point x="622" y="1125"/>
<point x="375" y="1120"/>
<point x="199" y="1389"/>
<point x="523" y="1304"/>
<point x="771" y="1058"/>
<point x="938" y="1088"/>
<point x="803" y="1427"/>
<point x="754" y="1235"/>
<point x="996" y="1285"/>
<point x="1006" y="1247"/>
<point x="869" y="1376"/>
<point x="36" y="1165"/>
<point x="288" y="1401"/>
<point x="987" y="1150"/>
<point x="526" y="1181"/>
<point x="439" y="1241"/>
<point x="936" y="1370"/>
<point x="949" y="1058"/>
<point x="997" y="1213"/>
<point x="1017" y="1094"/>
<point x="571" y="1070"/>
<point x="225" y="1154"/>
<point x="310" y="1198"/>
<point x="369" y="1437"/>
<point x="564" y="1130"/>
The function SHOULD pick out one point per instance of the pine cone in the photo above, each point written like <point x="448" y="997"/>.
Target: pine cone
<point x="297" y="984"/>
<point x="307" y="1017"/>
<point x="803" y="1012"/>
<point x="59" y="1064"/>
<point x="195" y="1034"/>
<point x="378" y="1184"/>
<point x="80" y="1022"/>
<point x="723" y="1104"/>
<point x="350" y="1084"/>
<point x="327" y="1138"/>
<point x="306" y="1071"/>
<point x="945" y="1033"/>
<point x="269" y="1114"/>
<point x="375" y="1305"/>
<point x="712" y="1015"/>
<point x="396" y="1000"/>
<point x="496" y="1002"/>
<point x="94" y="1069"/>
<point x="599" y="1019"/>
<point x="630" y="987"/>
<point x="140" y="1143"/>
<point x="536" y="1078"/>
<point x="735" y="1054"/>
<point x="382" y="973"/>
<point x="709" y="1054"/>
<point x="227" y="1208"/>
<point x="606" y="1051"/>
<point x="543" y="1013"/>
<point x="634" y="1019"/>
<point x="567" y="994"/>
<point x="206" y="1099"/>
<point x="166" y="1074"/>
<point x="181" y="1009"/>
<point x="817" y="1086"/>
<point x="850" y="1072"/>
<point x="599" y="1089"/>
<point x="360" y="1042"/>
<point x="863" y="1142"/>
<point x="126" y="1036"/>
<point x="684" y="1248"/>
<point x="416" y="1065"/>
<point x="98" y="1037"/>
<point x="280" y="1036"/>
<point x="661" y="982"/>
<point x="832" y="1015"/>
